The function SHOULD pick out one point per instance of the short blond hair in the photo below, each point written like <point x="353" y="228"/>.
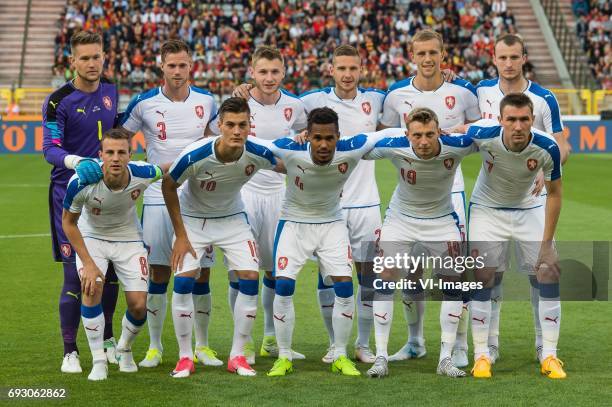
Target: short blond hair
<point x="426" y="35"/>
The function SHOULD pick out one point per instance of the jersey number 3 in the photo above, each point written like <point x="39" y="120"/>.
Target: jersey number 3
<point x="162" y="130"/>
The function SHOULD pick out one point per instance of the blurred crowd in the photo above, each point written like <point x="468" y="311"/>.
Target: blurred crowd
<point x="593" y="27"/>
<point x="223" y="35"/>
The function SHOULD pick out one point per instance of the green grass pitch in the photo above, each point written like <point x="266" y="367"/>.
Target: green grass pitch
<point x="31" y="349"/>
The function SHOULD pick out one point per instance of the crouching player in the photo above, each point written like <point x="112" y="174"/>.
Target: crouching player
<point x="210" y="211"/>
<point x="107" y="232"/>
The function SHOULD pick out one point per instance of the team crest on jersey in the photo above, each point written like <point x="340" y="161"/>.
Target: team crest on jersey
<point x="450" y="102"/>
<point x="288" y="113"/>
<point x="135" y="194"/>
<point x="449" y="162"/>
<point x="343" y="168"/>
<point x="366" y="107"/>
<point x="532" y="163"/>
<point x="199" y="109"/>
<point x="282" y="263"/>
<point x="248" y="170"/>
<point x="66" y="250"/>
<point x="108" y="103"/>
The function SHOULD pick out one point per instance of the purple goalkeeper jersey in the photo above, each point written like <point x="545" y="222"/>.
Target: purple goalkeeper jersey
<point x="73" y="123"/>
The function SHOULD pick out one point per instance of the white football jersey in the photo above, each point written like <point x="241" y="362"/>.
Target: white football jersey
<point x="547" y="115"/>
<point x="111" y="215"/>
<point x="355" y="116"/>
<point x="453" y="102"/>
<point x="213" y="187"/>
<point x="271" y="122"/>
<point x="506" y="178"/>
<point x="313" y="191"/>
<point x="424" y="186"/>
<point x="168" y="126"/>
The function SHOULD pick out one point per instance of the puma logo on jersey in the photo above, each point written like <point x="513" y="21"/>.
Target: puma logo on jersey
<point x="161" y="113"/>
<point x="489" y="102"/>
<point x="408" y="103"/>
<point x="99" y="200"/>
<point x="52" y="103"/>
<point x="212" y="174"/>
<point x="302" y="169"/>
<point x="81" y="110"/>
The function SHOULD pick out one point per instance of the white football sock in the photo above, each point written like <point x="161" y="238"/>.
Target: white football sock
<point x="182" y="316"/>
<point x="481" y="315"/>
<point x="496" y="302"/>
<point x="414" y="309"/>
<point x="94" y="329"/>
<point x="245" y="312"/>
<point x="267" y="303"/>
<point x="535" y="307"/>
<point x="461" y="342"/>
<point x="284" y="322"/>
<point x="342" y="320"/>
<point x="157" y="305"/>
<point x="550" y="320"/>
<point x="129" y="331"/>
<point x="383" y="316"/>
<point x="450" y="315"/>
<point x="326" y="299"/>
<point x="202" y="307"/>
<point x="232" y="293"/>
<point x="364" y="316"/>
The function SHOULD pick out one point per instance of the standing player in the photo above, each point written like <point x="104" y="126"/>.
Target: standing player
<point x="509" y="58"/>
<point x="502" y="209"/>
<point x="454" y="103"/>
<point x="358" y="110"/>
<point x="311" y="224"/>
<point x="74" y="118"/>
<point x="421" y="221"/>
<point x="275" y="113"/>
<point x="210" y="211"/>
<point x="108" y="230"/>
<point x="171" y="117"/>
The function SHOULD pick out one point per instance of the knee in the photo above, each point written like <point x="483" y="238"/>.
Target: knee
<point x="160" y="274"/>
<point x="285" y="287"/>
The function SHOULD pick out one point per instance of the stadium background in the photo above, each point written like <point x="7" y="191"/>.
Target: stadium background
<point x="568" y="42"/>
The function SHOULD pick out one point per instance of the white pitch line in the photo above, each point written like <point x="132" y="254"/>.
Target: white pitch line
<point x="25" y="236"/>
<point x="24" y="185"/>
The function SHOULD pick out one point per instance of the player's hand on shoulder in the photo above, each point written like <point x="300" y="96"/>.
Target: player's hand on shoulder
<point x="242" y="91"/>
<point x="181" y="247"/>
<point x="90" y="276"/>
<point x="301" y="137"/>
<point x="449" y="75"/>
<point x="89" y="171"/>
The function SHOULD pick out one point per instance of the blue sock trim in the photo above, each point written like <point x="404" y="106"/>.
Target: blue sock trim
<point x="384" y="291"/>
<point x="201" y="288"/>
<point x="466" y="296"/>
<point x="484" y="294"/>
<point x="183" y="285"/>
<point x="549" y="290"/>
<point x="248" y="287"/>
<point x="157" y="288"/>
<point x="359" y="278"/>
<point x="285" y="287"/>
<point x="234" y="285"/>
<point x="321" y="284"/>
<point x="134" y="321"/>
<point x="271" y="284"/>
<point x="534" y="282"/>
<point x="452" y="293"/>
<point x="343" y="289"/>
<point x="91" y="312"/>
